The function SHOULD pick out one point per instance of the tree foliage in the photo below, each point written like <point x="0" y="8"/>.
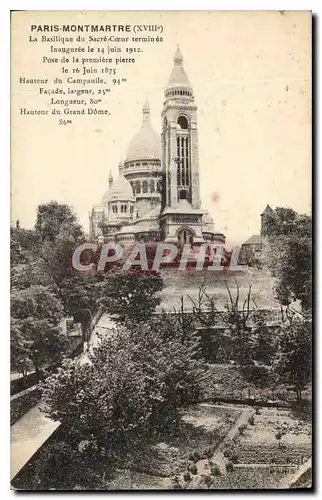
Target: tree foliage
<point x="130" y="295"/>
<point x="55" y="220"/>
<point x="294" y="360"/>
<point x="132" y="389"/>
<point x="288" y="254"/>
<point x="36" y="338"/>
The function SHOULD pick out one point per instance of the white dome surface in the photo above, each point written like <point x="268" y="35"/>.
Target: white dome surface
<point x="146" y="144"/>
<point x="120" y="190"/>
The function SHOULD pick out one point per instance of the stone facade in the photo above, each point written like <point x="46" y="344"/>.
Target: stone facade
<point x="157" y="194"/>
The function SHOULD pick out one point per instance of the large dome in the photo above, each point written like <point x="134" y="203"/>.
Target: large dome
<point x="145" y="145"/>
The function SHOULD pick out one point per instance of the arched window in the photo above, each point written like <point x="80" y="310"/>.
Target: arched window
<point x="182" y="122"/>
<point x="125" y="208"/>
<point x="138" y="187"/>
<point x="131" y="209"/>
<point x="145" y="186"/>
<point x="152" y="186"/>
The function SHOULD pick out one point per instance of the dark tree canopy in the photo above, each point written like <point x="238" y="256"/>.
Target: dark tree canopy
<point x="132" y="294"/>
<point x="294" y="361"/>
<point x="135" y="384"/>
<point x="36" y="338"/>
<point x="56" y="220"/>
<point x="289" y="255"/>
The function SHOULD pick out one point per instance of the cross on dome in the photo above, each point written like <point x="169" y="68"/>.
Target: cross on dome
<point x="146" y="110"/>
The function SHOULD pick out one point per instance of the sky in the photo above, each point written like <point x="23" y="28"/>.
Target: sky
<point x="251" y="75"/>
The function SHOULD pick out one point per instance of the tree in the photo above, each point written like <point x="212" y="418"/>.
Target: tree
<point x="19" y="350"/>
<point x="35" y="334"/>
<point x="55" y="221"/>
<point x="26" y="268"/>
<point x="132" y="389"/>
<point x="236" y="318"/>
<point x="130" y="295"/>
<point x="288" y="254"/>
<point x="263" y="344"/>
<point x="294" y="360"/>
<point x="59" y="234"/>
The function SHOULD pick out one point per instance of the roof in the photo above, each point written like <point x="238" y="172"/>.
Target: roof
<point x="254" y="240"/>
<point x="268" y="210"/>
<point x="152" y="214"/>
<point x="146" y="226"/>
<point x="182" y="207"/>
<point x="178" y="77"/>
<point x="146" y="144"/>
<point x="126" y="230"/>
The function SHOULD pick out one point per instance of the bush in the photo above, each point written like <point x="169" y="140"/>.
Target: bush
<point x="192" y="468"/>
<point x="175" y="485"/>
<point x="229" y="466"/>
<point x="186" y="476"/>
<point x="241" y="429"/>
<point x="207" y="479"/>
<point x="234" y="458"/>
<point x="194" y="456"/>
<point x="215" y="470"/>
<point x="251" y="420"/>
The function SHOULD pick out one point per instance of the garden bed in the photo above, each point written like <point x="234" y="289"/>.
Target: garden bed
<point x="276" y="437"/>
<point x="283" y="454"/>
<point x="251" y="478"/>
<point x="201" y="428"/>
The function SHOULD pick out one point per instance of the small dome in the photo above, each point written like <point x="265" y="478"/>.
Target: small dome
<point x="120" y="190"/>
<point x="106" y="197"/>
<point x="146" y="144"/>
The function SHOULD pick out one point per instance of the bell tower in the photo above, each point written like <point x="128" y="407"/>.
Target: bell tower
<point x="180" y="158"/>
<point x="180" y="137"/>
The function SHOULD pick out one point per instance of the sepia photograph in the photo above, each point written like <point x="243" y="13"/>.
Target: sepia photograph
<point x="161" y="251"/>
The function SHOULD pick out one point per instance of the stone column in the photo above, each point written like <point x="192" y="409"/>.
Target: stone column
<point x="173" y="164"/>
<point x="195" y="188"/>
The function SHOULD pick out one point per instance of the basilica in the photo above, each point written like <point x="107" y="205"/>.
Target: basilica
<point x="156" y="196"/>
